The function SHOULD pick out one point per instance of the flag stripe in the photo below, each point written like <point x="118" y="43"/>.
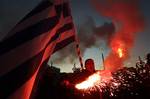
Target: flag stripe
<point x="42" y="6"/>
<point x="23" y="50"/>
<point x="30" y="32"/>
<point x="25" y="90"/>
<point x="49" y="12"/>
<point x="66" y="10"/>
<point x="27" y="34"/>
<point x="45" y="4"/>
<point x="14" y="79"/>
<point x="17" y="55"/>
<point x="63" y="43"/>
<point x="34" y="18"/>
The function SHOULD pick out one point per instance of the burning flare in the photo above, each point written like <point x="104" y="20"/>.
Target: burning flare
<point x="95" y="81"/>
<point x="90" y="82"/>
<point x="120" y="52"/>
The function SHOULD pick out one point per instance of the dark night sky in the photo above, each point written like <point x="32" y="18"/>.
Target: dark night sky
<point x="11" y="11"/>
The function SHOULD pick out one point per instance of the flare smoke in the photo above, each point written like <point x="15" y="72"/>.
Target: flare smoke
<point x="126" y="16"/>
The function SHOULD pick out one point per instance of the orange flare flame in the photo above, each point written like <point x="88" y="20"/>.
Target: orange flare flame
<point x="120" y="52"/>
<point x="89" y="82"/>
<point x="95" y="79"/>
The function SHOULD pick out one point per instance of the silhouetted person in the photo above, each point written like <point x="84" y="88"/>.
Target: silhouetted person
<point x="89" y="65"/>
<point x="140" y="63"/>
<point x="148" y="59"/>
<point x="78" y="77"/>
<point x="147" y="65"/>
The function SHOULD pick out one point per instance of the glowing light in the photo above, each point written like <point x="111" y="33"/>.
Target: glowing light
<point x="120" y="52"/>
<point x="95" y="81"/>
<point x="90" y="82"/>
<point x="104" y="81"/>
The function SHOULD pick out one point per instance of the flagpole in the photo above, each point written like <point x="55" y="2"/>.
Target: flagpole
<point x="102" y="55"/>
<point x="78" y="51"/>
<point x="77" y="47"/>
<point x="103" y="61"/>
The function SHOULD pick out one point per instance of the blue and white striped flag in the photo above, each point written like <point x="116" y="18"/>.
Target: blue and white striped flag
<point x="29" y="45"/>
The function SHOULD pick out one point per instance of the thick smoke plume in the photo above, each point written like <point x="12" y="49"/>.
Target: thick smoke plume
<point x="126" y="16"/>
<point x="88" y="34"/>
